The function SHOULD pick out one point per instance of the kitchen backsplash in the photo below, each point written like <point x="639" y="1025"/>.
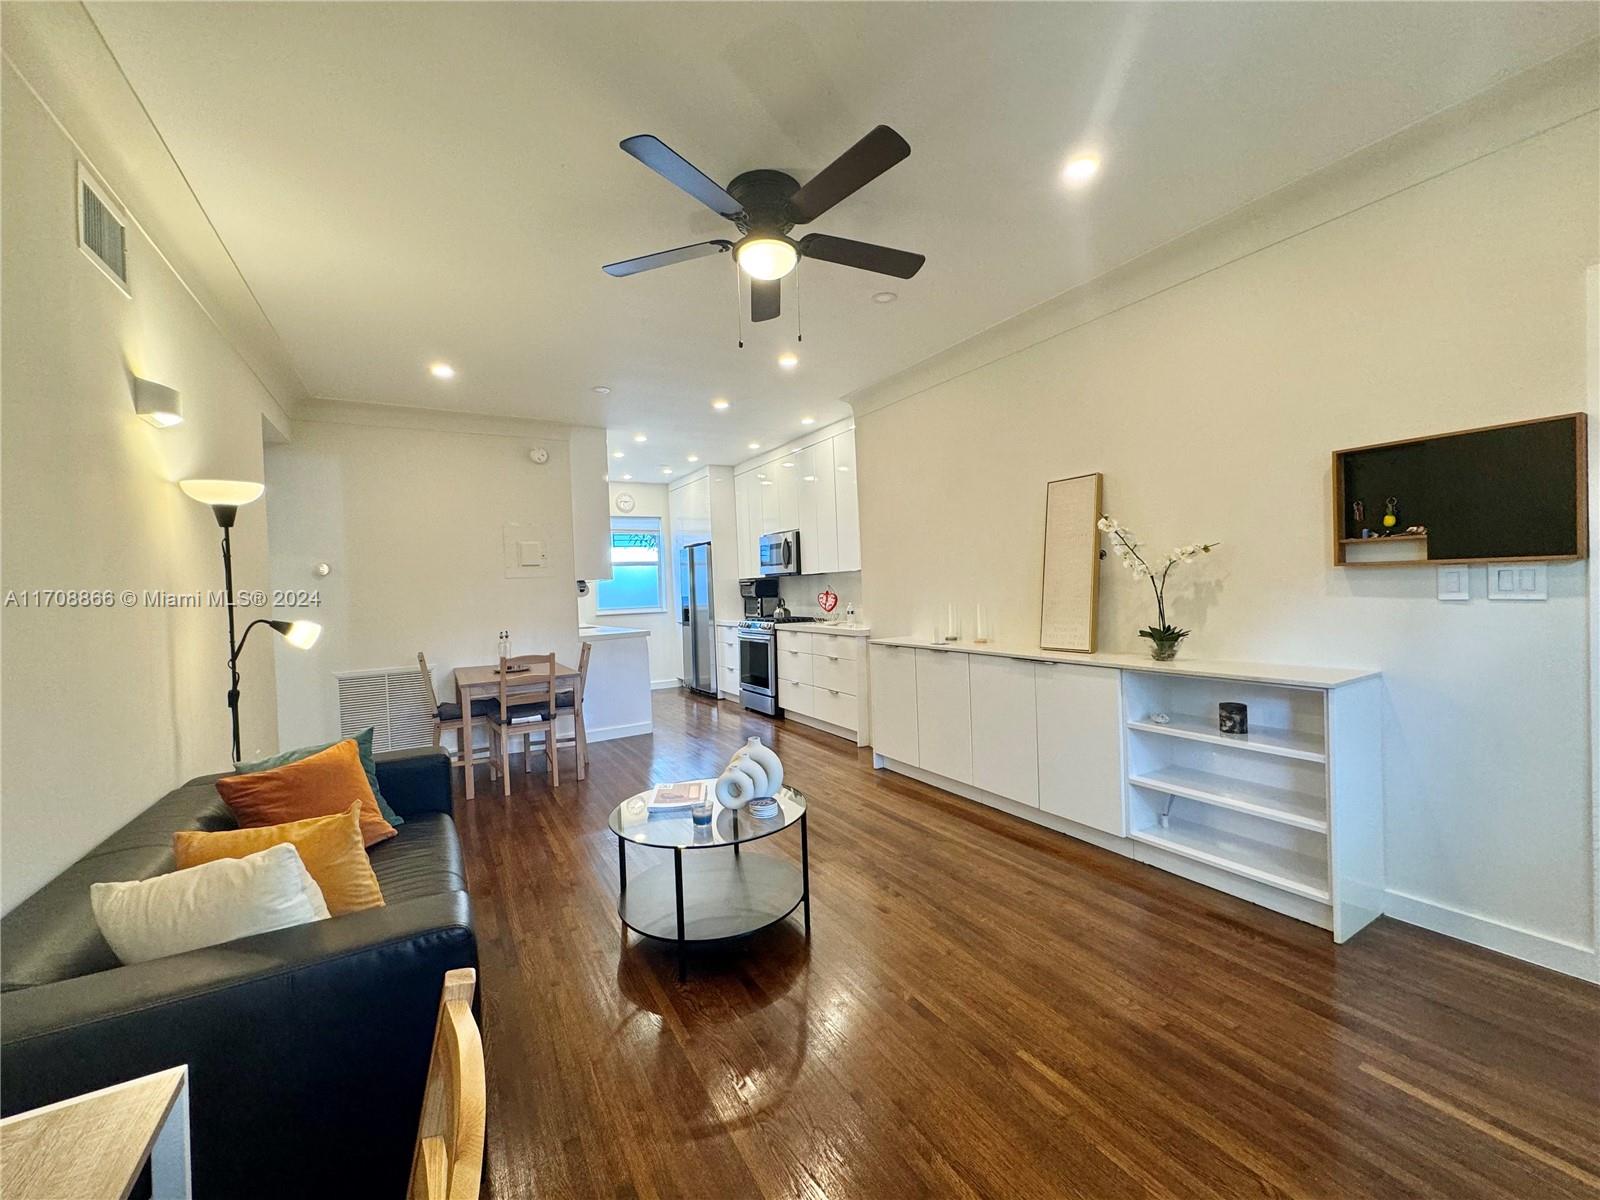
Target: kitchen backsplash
<point x="800" y="594"/>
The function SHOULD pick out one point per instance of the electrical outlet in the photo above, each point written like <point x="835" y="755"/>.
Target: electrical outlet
<point x="1518" y="581"/>
<point x="1454" y="583"/>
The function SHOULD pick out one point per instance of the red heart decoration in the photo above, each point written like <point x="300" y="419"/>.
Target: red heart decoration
<point x="828" y="600"/>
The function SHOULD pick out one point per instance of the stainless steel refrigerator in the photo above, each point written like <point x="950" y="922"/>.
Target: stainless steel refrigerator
<point x="695" y="616"/>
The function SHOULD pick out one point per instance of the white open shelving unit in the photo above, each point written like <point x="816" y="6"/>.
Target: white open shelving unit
<point x="1288" y="815"/>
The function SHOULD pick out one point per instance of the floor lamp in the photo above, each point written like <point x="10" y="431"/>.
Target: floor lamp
<point x="224" y="496"/>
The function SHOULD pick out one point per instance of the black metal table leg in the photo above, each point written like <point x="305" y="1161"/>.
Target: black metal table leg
<point x="677" y="874"/>
<point x="805" y="872"/>
<point x="622" y="862"/>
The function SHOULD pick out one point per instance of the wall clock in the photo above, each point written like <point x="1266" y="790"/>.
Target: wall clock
<point x="624" y="502"/>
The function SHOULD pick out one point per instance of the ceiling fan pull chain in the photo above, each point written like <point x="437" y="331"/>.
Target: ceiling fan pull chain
<point x="738" y="305"/>
<point x="799" y="321"/>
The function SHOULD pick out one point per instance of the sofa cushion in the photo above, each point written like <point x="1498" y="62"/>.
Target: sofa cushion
<point x="316" y="786"/>
<point x="363" y="741"/>
<point x="422" y="859"/>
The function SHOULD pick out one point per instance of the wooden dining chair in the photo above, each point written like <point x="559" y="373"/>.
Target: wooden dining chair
<point x="528" y="710"/>
<point x="448" y="1161"/>
<point x="447" y="716"/>
<point x="570" y="703"/>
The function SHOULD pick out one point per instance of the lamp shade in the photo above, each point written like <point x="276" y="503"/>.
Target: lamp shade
<point x="766" y="257"/>
<point x="230" y="492"/>
<point x="156" y="403"/>
<point x="303" y="635"/>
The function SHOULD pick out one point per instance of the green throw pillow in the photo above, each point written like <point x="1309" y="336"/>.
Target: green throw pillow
<point x="363" y="741"/>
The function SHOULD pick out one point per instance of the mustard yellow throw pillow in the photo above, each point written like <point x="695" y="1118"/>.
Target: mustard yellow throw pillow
<point x="318" y="786"/>
<point x="330" y="847"/>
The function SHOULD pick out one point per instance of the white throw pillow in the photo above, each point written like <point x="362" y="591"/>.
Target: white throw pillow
<point x="206" y="905"/>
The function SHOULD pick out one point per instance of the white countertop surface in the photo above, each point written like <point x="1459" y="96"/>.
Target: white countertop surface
<point x="1312" y="677"/>
<point x="814" y="627"/>
<point x="603" y="633"/>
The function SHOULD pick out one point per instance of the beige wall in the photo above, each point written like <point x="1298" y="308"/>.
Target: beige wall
<point x="408" y="508"/>
<point x="106" y="709"/>
<point x="1445" y="290"/>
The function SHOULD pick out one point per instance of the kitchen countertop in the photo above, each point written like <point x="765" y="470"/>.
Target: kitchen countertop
<point x="1311" y="677"/>
<point x="606" y="633"/>
<point x="813" y="627"/>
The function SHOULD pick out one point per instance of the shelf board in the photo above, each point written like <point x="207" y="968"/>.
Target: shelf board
<point x="1384" y="537"/>
<point x="1284" y="743"/>
<point x="1300" y="809"/>
<point x="1272" y="865"/>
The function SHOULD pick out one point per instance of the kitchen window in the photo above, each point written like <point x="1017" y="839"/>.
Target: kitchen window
<point x="636" y="579"/>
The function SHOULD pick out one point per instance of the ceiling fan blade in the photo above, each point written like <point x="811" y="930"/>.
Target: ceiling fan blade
<point x="864" y="256"/>
<point x="764" y="298"/>
<point x="675" y="169"/>
<point x="665" y="258"/>
<point x="851" y="171"/>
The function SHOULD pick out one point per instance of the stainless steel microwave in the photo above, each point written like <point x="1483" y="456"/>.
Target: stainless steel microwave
<point x="780" y="553"/>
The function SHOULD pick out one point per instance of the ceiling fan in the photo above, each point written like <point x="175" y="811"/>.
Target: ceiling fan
<point x="765" y="205"/>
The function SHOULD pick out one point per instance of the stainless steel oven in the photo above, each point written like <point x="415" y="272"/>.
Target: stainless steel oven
<point x="758" y="667"/>
<point x="780" y="553"/>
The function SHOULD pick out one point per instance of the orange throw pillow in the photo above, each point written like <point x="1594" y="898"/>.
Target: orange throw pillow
<point x="330" y="847"/>
<point x="318" y="786"/>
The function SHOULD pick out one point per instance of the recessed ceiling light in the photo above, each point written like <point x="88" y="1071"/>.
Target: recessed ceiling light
<point x="627" y="477"/>
<point x="616" y="454"/>
<point x="755" y="445"/>
<point x="787" y="464"/>
<point x="666" y="470"/>
<point x="694" y="458"/>
<point x="766" y="483"/>
<point x="844" y="468"/>
<point x="808" y="420"/>
<point x="441" y="370"/>
<point x="719" y="404"/>
<point x="639" y="437"/>
<point x="885" y="297"/>
<point x="1081" y="168"/>
<point x="809" y="478"/>
<point x="600" y="389"/>
<point x="788" y="360"/>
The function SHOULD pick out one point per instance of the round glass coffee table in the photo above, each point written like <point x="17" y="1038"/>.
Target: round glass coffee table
<point x="722" y="896"/>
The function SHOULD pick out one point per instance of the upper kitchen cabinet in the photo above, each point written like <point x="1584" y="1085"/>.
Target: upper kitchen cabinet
<point x="689" y="508"/>
<point x="809" y="486"/>
<point x="848" y="513"/>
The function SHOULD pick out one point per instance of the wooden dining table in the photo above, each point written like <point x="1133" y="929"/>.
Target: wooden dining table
<point x="473" y="683"/>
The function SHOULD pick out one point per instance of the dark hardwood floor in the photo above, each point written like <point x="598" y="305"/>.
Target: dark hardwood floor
<point x="987" y="1008"/>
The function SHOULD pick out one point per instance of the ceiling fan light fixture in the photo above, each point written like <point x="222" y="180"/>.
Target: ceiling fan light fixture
<point x="763" y="256"/>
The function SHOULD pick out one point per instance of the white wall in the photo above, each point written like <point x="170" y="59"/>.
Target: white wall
<point x="108" y="708"/>
<point x="408" y="508"/>
<point x="666" y="643"/>
<point x="1434" y="284"/>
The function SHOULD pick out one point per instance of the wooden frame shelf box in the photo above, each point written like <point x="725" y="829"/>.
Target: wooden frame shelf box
<point x="1456" y="484"/>
<point x="1127" y="753"/>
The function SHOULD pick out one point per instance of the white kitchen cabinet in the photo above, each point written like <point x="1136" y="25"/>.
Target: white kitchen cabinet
<point x="1080" y="745"/>
<point x="894" y="703"/>
<point x="1005" y="733"/>
<point x="819" y="528"/>
<point x="771" y="504"/>
<point x="847" y="514"/>
<point x="747" y="522"/>
<point x="786" y="470"/>
<point x="944" y="714"/>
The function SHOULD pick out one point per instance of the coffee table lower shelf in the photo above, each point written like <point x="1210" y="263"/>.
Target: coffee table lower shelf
<point x="724" y="899"/>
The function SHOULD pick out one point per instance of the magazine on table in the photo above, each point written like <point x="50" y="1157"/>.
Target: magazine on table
<point x="673" y="799"/>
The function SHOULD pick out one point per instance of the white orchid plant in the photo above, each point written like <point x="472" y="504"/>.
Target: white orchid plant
<point x="1126" y="547"/>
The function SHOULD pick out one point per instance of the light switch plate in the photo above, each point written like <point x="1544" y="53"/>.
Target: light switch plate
<point x="1454" y="583"/>
<point x="1518" y="581"/>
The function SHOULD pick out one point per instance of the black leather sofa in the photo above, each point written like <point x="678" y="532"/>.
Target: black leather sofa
<point x="307" y="1048"/>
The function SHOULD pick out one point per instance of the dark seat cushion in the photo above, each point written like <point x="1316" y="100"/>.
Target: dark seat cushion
<point x="484" y="706"/>
<point x="527" y="712"/>
<point x="565" y="699"/>
<point x="422" y="859"/>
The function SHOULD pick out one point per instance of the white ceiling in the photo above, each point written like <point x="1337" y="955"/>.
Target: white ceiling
<point x="403" y="183"/>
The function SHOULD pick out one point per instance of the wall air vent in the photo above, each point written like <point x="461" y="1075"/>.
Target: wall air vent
<point x="394" y="702"/>
<point x="102" y="230"/>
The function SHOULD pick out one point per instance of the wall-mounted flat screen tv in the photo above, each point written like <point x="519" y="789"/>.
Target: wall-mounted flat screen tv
<point x="1516" y="491"/>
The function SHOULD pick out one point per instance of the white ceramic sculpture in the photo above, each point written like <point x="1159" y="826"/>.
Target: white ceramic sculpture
<point x="758" y="752"/>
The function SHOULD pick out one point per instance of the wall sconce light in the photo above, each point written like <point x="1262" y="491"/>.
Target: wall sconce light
<point x="156" y="403"/>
